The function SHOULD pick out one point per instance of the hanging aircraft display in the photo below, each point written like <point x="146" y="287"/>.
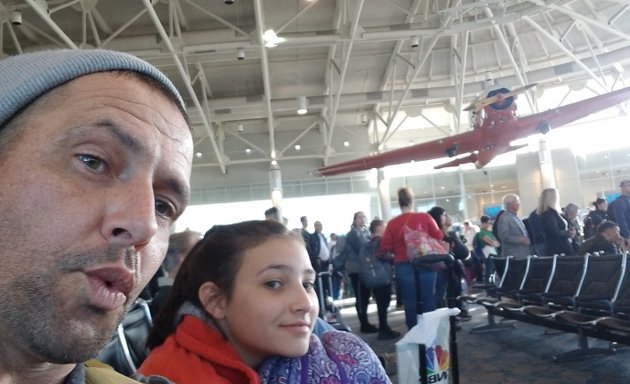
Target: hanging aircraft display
<point x="495" y="125"/>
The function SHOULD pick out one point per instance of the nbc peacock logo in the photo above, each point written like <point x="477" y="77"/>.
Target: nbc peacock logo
<point x="438" y="363"/>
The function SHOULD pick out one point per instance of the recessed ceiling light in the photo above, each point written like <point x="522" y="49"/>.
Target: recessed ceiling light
<point x="297" y="147"/>
<point x="346" y="144"/>
<point x="248" y="150"/>
<point x="199" y="154"/>
<point x="271" y="38"/>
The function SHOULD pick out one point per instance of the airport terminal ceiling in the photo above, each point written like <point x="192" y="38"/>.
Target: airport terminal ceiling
<point x="372" y="75"/>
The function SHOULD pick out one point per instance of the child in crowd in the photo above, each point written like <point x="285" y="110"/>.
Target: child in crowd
<point x="242" y="310"/>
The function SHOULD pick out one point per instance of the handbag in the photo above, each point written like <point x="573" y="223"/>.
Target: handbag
<point x="419" y="244"/>
<point x="374" y="272"/>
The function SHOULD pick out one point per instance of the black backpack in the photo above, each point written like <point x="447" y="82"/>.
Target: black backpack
<point x="495" y="225"/>
<point x="339" y="261"/>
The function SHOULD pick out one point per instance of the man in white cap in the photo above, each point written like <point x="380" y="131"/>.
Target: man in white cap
<point x="95" y="162"/>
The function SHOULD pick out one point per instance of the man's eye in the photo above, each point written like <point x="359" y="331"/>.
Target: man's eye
<point x="165" y="208"/>
<point x="274" y="284"/>
<point x="92" y="162"/>
<point x="309" y="286"/>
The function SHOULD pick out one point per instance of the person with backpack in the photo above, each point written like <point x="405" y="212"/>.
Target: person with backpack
<point x="356" y="238"/>
<point x="449" y="280"/>
<point x="375" y="273"/>
<point x="619" y="209"/>
<point x="511" y="231"/>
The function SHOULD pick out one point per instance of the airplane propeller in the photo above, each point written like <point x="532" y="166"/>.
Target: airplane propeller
<point x="477" y="105"/>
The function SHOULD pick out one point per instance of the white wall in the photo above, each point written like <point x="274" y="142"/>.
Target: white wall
<point x="334" y="211"/>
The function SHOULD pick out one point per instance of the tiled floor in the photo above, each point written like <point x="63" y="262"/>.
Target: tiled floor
<point x="520" y="355"/>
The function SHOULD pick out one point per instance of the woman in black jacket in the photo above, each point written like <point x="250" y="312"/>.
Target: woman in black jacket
<point x="449" y="281"/>
<point x="556" y="231"/>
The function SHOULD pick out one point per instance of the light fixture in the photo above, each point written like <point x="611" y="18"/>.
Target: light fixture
<point x="297" y="147"/>
<point x="301" y="105"/>
<point x="271" y="38"/>
<point x="239" y="127"/>
<point x="414" y="41"/>
<point x="240" y="53"/>
<point x="364" y="118"/>
<point x="199" y="154"/>
<point x="346" y="144"/>
<point x="248" y="150"/>
<point x="16" y="17"/>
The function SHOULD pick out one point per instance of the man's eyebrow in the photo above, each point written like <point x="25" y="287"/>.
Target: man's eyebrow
<point x="113" y="130"/>
<point x="133" y="144"/>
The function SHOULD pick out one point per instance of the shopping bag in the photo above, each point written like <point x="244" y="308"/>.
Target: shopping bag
<point x="432" y="332"/>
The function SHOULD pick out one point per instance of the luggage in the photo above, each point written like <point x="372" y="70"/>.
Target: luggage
<point x="327" y="309"/>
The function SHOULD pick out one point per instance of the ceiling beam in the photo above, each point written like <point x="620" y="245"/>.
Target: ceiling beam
<point x="264" y="62"/>
<point x="191" y="92"/>
<point x="342" y="76"/>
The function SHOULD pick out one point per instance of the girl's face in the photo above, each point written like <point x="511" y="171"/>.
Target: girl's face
<point x="274" y="306"/>
<point x="360" y="219"/>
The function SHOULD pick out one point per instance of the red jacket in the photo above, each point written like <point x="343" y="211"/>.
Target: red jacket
<point x="393" y="239"/>
<point x="197" y="353"/>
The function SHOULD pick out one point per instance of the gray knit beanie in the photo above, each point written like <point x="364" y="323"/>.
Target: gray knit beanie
<point x="24" y="78"/>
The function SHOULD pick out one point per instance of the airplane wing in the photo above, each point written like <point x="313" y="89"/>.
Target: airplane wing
<point x="557" y="117"/>
<point x="480" y="144"/>
<point x="447" y="146"/>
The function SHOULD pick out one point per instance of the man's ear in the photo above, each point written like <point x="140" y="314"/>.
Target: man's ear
<point x="213" y="300"/>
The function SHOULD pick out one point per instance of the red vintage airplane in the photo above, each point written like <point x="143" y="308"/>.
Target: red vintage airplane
<point x="495" y="125"/>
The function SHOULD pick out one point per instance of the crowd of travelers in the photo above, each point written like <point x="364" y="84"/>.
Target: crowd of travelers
<point x="96" y="160"/>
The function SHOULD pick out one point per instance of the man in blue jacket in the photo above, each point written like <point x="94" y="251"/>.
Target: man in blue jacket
<point x="619" y="209"/>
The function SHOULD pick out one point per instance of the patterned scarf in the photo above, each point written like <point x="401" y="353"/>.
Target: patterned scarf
<point x="336" y="358"/>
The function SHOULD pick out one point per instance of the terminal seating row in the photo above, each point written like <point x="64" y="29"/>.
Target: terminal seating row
<point x="586" y="295"/>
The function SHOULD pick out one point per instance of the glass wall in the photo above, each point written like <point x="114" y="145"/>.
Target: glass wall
<point x="463" y="192"/>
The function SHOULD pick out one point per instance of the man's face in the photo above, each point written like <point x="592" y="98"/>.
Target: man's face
<point x="95" y="177"/>
<point x="304" y="221"/>
<point x="318" y="226"/>
<point x="625" y="189"/>
<point x="611" y="234"/>
<point x="514" y="205"/>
